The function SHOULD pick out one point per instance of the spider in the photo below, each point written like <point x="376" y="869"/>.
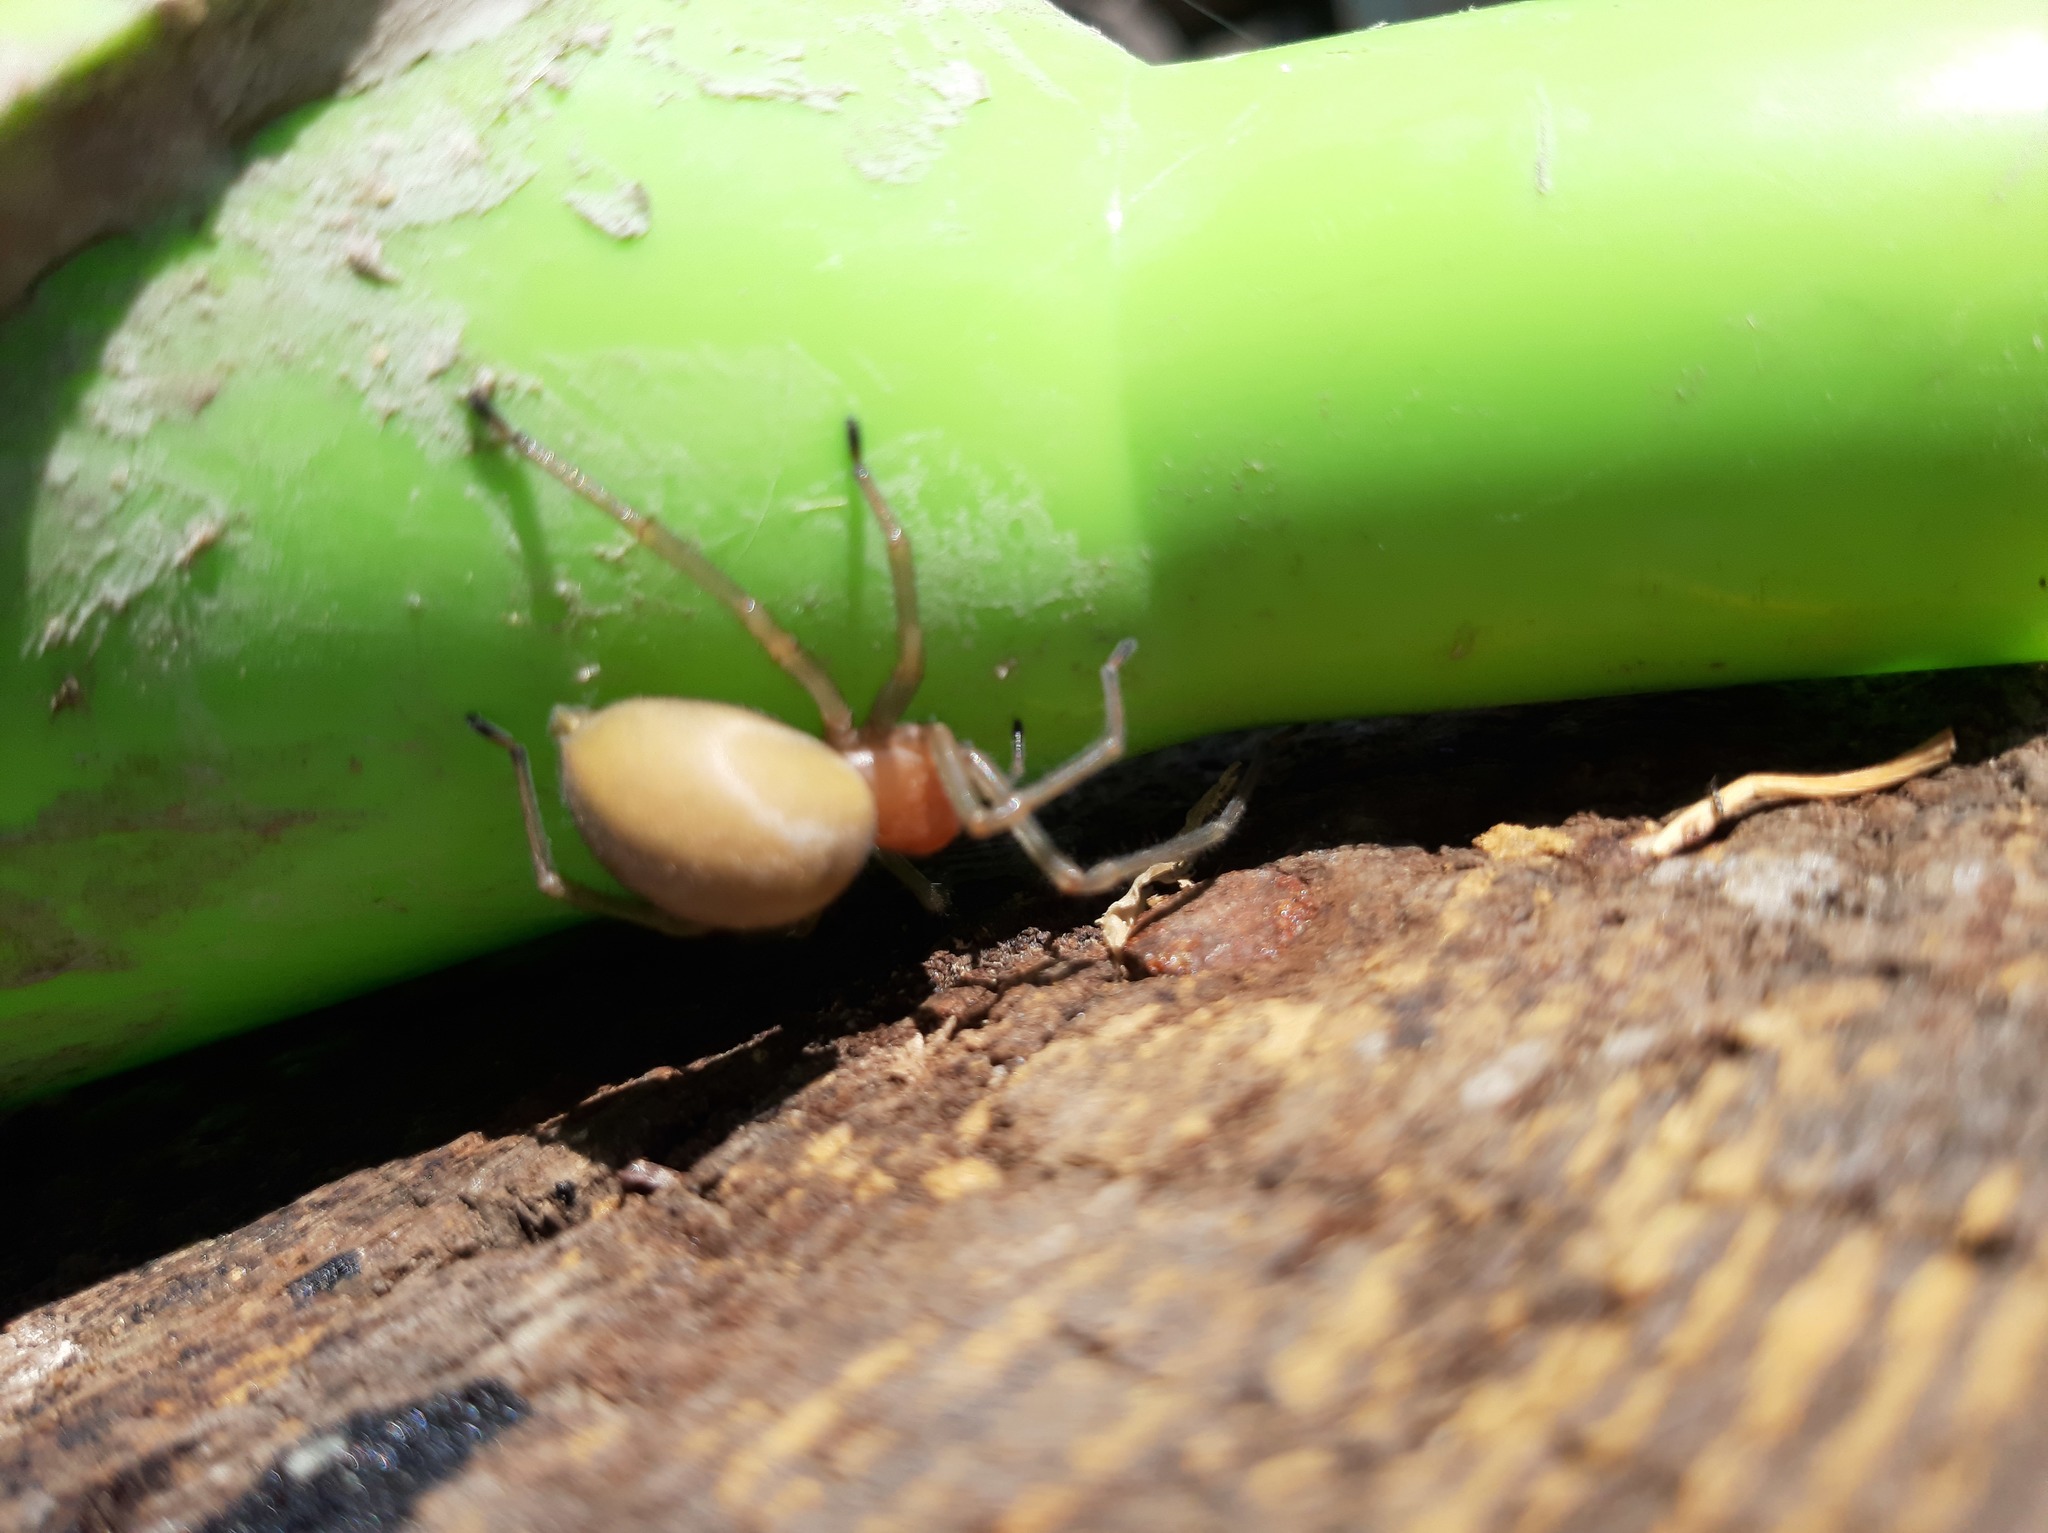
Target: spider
<point x="720" y="818"/>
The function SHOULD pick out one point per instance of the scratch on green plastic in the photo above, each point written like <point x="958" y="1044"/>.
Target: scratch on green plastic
<point x="1550" y="350"/>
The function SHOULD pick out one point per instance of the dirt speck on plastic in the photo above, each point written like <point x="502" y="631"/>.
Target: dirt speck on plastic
<point x="621" y="212"/>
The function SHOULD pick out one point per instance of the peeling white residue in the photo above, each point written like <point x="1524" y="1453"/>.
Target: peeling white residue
<point x="957" y="84"/>
<point x="621" y="210"/>
<point x="1546" y="141"/>
<point x="92" y="581"/>
<point x="779" y="81"/>
<point x="904" y="148"/>
<point x="562" y="64"/>
<point x="2009" y="76"/>
<point x="200" y="535"/>
<point x="322" y="222"/>
<point x="656" y="45"/>
<point x="439" y="351"/>
<point x="428" y="166"/>
<point x="129" y="404"/>
<point x="297" y="274"/>
<point x="899" y="123"/>
<point x="136" y="387"/>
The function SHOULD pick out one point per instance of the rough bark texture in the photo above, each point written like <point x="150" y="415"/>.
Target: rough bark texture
<point x="1511" y="1186"/>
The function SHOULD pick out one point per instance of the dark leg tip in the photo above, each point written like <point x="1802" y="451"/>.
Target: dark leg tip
<point x="853" y="437"/>
<point x="478" y="398"/>
<point x="484" y="727"/>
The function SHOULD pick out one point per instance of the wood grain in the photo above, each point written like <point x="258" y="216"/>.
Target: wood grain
<point x="1505" y="1187"/>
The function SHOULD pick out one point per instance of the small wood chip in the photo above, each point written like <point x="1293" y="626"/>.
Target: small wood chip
<point x="1147" y="890"/>
<point x="1147" y="894"/>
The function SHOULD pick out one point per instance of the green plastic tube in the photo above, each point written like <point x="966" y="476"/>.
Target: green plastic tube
<point x="1553" y="350"/>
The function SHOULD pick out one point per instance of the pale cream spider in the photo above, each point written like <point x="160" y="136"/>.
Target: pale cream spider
<point x="722" y="818"/>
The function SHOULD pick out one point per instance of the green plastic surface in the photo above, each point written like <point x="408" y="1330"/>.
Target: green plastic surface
<point x="1553" y="350"/>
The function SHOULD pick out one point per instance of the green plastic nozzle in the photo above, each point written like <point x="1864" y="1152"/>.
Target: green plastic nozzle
<point x="1551" y="350"/>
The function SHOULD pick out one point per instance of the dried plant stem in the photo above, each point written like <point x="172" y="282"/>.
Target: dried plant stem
<point x="1759" y="790"/>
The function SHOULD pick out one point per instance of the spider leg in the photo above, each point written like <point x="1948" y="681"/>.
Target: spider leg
<point x="966" y="774"/>
<point x="908" y="673"/>
<point x="989" y="810"/>
<point x="782" y="646"/>
<point x="922" y="889"/>
<point x="550" y="882"/>
<point x="1068" y="877"/>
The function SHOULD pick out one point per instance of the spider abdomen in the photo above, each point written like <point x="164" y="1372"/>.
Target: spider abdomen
<point x="717" y="814"/>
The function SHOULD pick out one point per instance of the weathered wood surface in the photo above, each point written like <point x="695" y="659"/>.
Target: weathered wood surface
<point x="1503" y="1188"/>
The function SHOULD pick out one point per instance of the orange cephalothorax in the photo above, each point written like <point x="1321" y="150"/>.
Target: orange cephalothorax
<point x="913" y="816"/>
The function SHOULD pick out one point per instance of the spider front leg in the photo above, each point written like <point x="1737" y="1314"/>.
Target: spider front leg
<point x="989" y="802"/>
<point x="550" y="882"/>
<point x="1009" y="803"/>
<point x="1068" y="876"/>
